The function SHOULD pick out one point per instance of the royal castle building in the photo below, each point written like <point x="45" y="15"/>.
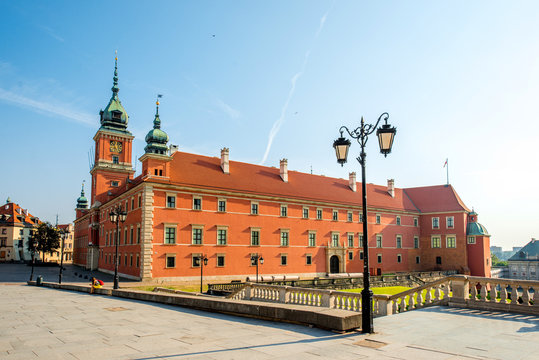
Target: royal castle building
<point x="184" y="206"/>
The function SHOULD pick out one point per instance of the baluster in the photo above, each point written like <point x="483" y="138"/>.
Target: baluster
<point x="411" y="302"/>
<point x="437" y="292"/>
<point x="332" y="300"/>
<point x="535" y="296"/>
<point x="428" y="296"/>
<point x="514" y="294"/>
<point x="503" y="293"/>
<point x="420" y="298"/>
<point x="483" y="292"/>
<point x="394" y="306"/>
<point x="473" y="289"/>
<point x="493" y="293"/>
<point x="403" y="304"/>
<point x="525" y="296"/>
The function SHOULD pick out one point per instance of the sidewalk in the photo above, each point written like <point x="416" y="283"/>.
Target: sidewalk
<point x="43" y="323"/>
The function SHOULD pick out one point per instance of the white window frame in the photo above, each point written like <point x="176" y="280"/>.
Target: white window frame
<point x="252" y="231"/>
<point x="307" y="258"/>
<point x="281" y="238"/>
<point x="221" y="228"/>
<point x="381" y="243"/>
<point x="166" y="200"/>
<point x="335" y="235"/>
<point x="397" y="238"/>
<point x="197" y="197"/>
<point x="319" y="211"/>
<point x="447" y="237"/>
<point x="452" y="218"/>
<point x="378" y="219"/>
<point x="439" y="237"/>
<point x="257" y="208"/>
<point x="398" y="220"/>
<point x="305" y="208"/>
<point x="285" y="208"/>
<point x="416" y="222"/>
<point x="437" y="220"/>
<point x="285" y="256"/>
<point x="399" y="258"/>
<point x="219" y="200"/>
<point x="217" y="256"/>
<point x="350" y="216"/>
<point x="170" y="226"/>
<point x="416" y="243"/>
<point x="313" y="234"/>
<point x="170" y="256"/>
<point x="348" y="239"/>
<point x="197" y="227"/>
<point x="471" y="239"/>
<point x="335" y="215"/>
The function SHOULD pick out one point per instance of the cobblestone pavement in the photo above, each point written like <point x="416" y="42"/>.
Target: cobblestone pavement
<point x="44" y="323"/>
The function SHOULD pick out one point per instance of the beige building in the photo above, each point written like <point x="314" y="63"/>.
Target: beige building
<point x="66" y="236"/>
<point x="16" y="225"/>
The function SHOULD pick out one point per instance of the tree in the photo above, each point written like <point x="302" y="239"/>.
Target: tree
<point x="496" y="261"/>
<point x="31" y="246"/>
<point x="47" y="239"/>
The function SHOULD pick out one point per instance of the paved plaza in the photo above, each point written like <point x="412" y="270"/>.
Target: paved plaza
<point x="43" y="323"/>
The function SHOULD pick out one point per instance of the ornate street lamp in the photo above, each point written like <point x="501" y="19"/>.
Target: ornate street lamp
<point x="385" y="134"/>
<point x="115" y="216"/>
<point x="255" y="259"/>
<point x="32" y="241"/>
<point x="65" y="233"/>
<point x="202" y="261"/>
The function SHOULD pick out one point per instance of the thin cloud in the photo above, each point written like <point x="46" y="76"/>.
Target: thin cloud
<point x="233" y="113"/>
<point x="51" y="33"/>
<point x="43" y="107"/>
<point x="277" y="124"/>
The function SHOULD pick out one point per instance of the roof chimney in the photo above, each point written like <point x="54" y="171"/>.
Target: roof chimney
<point x="391" y="187"/>
<point x="284" y="170"/>
<point x="224" y="160"/>
<point x="173" y="148"/>
<point x="352" y="181"/>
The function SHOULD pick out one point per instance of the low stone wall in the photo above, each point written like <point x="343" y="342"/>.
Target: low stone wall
<point x="332" y="319"/>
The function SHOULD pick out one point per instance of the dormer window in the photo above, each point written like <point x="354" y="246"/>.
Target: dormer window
<point x="114" y="183"/>
<point x="116" y="115"/>
<point x="115" y="159"/>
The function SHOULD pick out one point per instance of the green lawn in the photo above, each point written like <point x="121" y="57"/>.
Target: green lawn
<point x="189" y="288"/>
<point x="389" y="290"/>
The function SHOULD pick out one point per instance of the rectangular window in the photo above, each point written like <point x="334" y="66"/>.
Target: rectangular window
<point x="114" y="183"/>
<point x="378" y="218"/>
<point x="254" y="208"/>
<point x="399" y="241"/>
<point x="284" y="259"/>
<point x="360" y="217"/>
<point x="197" y="236"/>
<point x="125" y="259"/>
<point x="435" y="223"/>
<point x="438" y="260"/>
<point x="361" y="255"/>
<point x="255" y="237"/>
<point x="471" y="239"/>
<point x="197" y="203"/>
<point x="305" y="213"/>
<point x="139" y="201"/>
<point x="350" y="216"/>
<point x="416" y="222"/>
<point x="220" y="260"/>
<point x="335" y="215"/>
<point x="350" y="240"/>
<point x="171" y="201"/>
<point x="222" y="236"/>
<point x="451" y="242"/>
<point x="131" y="260"/>
<point x="360" y="240"/>
<point x="417" y="259"/>
<point x="450" y="222"/>
<point x="350" y="255"/>
<point x="171" y="261"/>
<point x="435" y="241"/>
<point x="416" y="242"/>
<point x="318" y="214"/>
<point x="195" y="260"/>
<point x="379" y="258"/>
<point x="170" y="235"/>
<point x="398" y="220"/>
<point x="138" y="234"/>
<point x="115" y="159"/>
<point x="106" y="239"/>
<point x="284" y="210"/>
<point x="131" y="236"/>
<point x="221" y="205"/>
<point x="335" y="239"/>
<point x="284" y="238"/>
<point x="399" y="258"/>
<point x="308" y="259"/>
<point x="132" y="203"/>
<point x="125" y="236"/>
<point x="378" y="241"/>
<point x="312" y="238"/>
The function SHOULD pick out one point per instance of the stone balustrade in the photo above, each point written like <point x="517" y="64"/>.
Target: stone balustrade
<point x="456" y="290"/>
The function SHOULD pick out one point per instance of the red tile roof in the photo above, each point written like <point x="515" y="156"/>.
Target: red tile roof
<point x="205" y="172"/>
<point x="14" y="214"/>
<point x="436" y="198"/>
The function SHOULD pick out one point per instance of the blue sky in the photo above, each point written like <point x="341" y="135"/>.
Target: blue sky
<point x="459" y="80"/>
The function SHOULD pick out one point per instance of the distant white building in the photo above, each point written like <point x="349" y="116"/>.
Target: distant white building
<point x="525" y="263"/>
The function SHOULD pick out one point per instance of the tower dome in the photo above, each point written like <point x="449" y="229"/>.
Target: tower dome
<point x="156" y="138"/>
<point x="114" y="117"/>
<point x="82" y="201"/>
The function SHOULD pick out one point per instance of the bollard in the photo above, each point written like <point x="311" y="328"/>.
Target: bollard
<point x="39" y="280"/>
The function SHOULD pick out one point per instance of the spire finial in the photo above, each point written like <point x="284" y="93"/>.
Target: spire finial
<point x="115" y="88"/>
<point x="82" y="190"/>
<point x="157" y="120"/>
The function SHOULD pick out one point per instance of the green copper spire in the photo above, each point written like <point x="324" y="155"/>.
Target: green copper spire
<point x="156" y="139"/>
<point x="114" y="117"/>
<point x="82" y="202"/>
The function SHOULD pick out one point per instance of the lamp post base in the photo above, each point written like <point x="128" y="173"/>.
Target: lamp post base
<point x="116" y="282"/>
<point x="366" y="312"/>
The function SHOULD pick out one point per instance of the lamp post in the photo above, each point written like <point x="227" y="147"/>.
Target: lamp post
<point x="202" y="261"/>
<point x="386" y="134"/>
<point x="32" y="240"/>
<point x="116" y="215"/>
<point x="64" y="235"/>
<point x="255" y="259"/>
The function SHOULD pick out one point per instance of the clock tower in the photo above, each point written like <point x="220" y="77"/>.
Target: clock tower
<point x="112" y="166"/>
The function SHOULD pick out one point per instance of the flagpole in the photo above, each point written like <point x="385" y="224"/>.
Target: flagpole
<point x="447" y="170"/>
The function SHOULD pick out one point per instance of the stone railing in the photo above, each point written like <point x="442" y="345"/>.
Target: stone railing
<point x="457" y="290"/>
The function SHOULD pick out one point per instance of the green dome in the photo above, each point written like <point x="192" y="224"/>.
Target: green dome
<point x="156" y="138"/>
<point x="474" y="228"/>
<point x="114" y="117"/>
<point x="82" y="201"/>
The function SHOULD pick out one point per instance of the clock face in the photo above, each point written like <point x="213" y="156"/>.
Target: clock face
<point x="115" y="146"/>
